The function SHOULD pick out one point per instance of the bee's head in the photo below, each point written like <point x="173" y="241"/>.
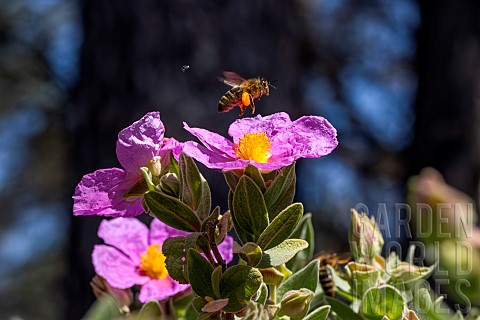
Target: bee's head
<point x="266" y="86"/>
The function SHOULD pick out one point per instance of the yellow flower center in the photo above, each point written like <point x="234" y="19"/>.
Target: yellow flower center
<point x="153" y="262"/>
<point x="253" y="146"/>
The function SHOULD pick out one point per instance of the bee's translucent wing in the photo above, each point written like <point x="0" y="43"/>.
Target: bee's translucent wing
<point x="231" y="78"/>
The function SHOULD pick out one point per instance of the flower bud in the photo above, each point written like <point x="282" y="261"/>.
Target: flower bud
<point x="170" y="184"/>
<point x="366" y="240"/>
<point x="272" y="276"/>
<point x="295" y="303"/>
<point x="123" y="297"/>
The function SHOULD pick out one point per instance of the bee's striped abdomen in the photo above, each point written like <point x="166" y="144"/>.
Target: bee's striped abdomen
<point x="326" y="281"/>
<point x="230" y="99"/>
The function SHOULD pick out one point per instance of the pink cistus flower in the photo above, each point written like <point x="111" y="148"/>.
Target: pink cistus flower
<point x="140" y="145"/>
<point x="132" y="256"/>
<point x="269" y="143"/>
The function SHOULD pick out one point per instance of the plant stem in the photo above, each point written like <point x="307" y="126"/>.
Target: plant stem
<point x="272" y="290"/>
<point x="213" y="245"/>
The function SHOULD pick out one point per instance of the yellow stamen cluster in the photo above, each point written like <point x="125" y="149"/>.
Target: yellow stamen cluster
<point x="253" y="146"/>
<point x="152" y="263"/>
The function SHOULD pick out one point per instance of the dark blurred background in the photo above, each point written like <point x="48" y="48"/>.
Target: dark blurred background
<point x="399" y="79"/>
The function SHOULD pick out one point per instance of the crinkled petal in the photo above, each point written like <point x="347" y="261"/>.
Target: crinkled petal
<point x="274" y="164"/>
<point x="170" y="144"/>
<point x="314" y="137"/>
<point x="159" y="232"/>
<point x="101" y="193"/>
<point x="225" y="249"/>
<point x="116" y="268"/>
<point x="271" y="125"/>
<point x="128" y="235"/>
<point x="140" y="142"/>
<point x="160" y="289"/>
<point x="212" y="141"/>
<point x="212" y="159"/>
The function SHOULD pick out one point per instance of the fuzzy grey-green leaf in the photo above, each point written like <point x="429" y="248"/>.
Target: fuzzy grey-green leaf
<point x="281" y="227"/>
<point x="238" y="284"/>
<point x="280" y="193"/>
<point x="150" y="311"/>
<point x="194" y="189"/>
<point x="171" y="211"/>
<point x="249" y="207"/>
<point x="282" y="253"/>
<point x="199" y="274"/>
<point x="304" y="230"/>
<point x="304" y="278"/>
<point x="378" y="302"/>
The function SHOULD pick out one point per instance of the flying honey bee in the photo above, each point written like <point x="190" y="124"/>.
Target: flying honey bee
<point x="243" y="92"/>
<point x="335" y="260"/>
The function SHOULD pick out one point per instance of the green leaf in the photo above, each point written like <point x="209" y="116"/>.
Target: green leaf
<point x="242" y="234"/>
<point x="405" y="275"/>
<point x="343" y="311"/>
<point x="249" y="207"/>
<point x="256" y="176"/>
<point x="182" y="304"/>
<point x="304" y="230"/>
<point x="175" y="250"/>
<point x="223" y="226"/>
<point x="216" y="276"/>
<point x="320" y="313"/>
<point x="239" y="284"/>
<point x="150" y="311"/>
<point x="305" y="278"/>
<point x="194" y="189"/>
<point x="363" y="277"/>
<point x="232" y="179"/>
<point x="382" y="301"/>
<point x="199" y="274"/>
<point x="198" y="303"/>
<point x="282" y="253"/>
<point x="105" y="308"/>
<point x="262" y="294"/>
<point x="171" y="211"/>
<point x="251" y="253"/>
<point x="281" y="227"/>
<point x="281" y="192"/>
<point x="137" y="190"/>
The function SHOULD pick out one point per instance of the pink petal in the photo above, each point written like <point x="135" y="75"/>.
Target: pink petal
<point x="212" y="141"/>
<point x="101" y="193"/>
<point x="271" y="125"/>
<point x="116" y="268"/>
<point x="159" y="232"/>
<point x="127" y="234"/>
<point x="212" y="159"/>
<point x="140" y="142"/>
<point x="160" y="289"/>
<point x="314" y="137"/>
<point x="170" y="144"/>
<point x="225" y="249"/>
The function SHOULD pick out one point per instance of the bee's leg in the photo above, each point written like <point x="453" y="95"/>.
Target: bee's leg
<point x="242" y="109"/>
<point x="252" y="105"/>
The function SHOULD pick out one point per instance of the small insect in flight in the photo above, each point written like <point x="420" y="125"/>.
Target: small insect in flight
<point x="243" y="92"/>
<point x="185" y="68"/>
<point x="335" y="260"/>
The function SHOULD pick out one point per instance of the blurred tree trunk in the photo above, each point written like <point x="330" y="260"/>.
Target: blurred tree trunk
<point x="447" y="105"/>
<point x="132" y="56"/>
